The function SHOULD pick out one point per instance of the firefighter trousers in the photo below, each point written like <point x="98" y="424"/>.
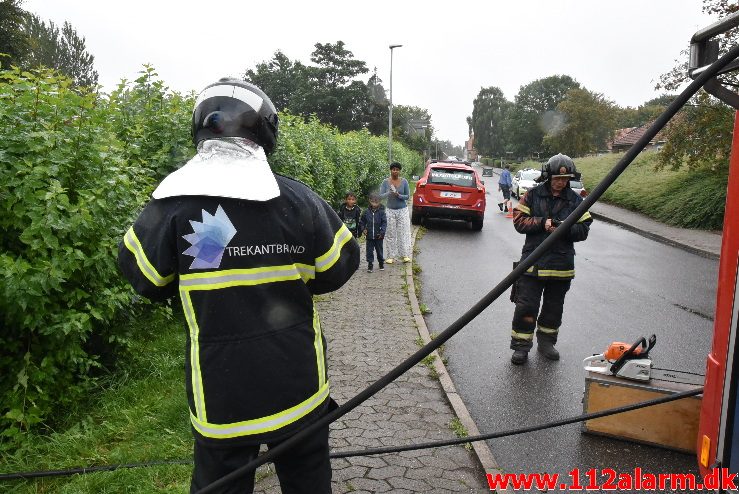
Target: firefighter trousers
<point x="303" y="469"/>
<point x="529" y="293"/>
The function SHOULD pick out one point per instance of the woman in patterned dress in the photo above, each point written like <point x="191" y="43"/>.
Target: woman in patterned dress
<point x="398" y="235"/>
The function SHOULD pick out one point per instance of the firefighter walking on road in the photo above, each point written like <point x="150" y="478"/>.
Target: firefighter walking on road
<point x="244" y="250"/>
<point x="537" y="215"/>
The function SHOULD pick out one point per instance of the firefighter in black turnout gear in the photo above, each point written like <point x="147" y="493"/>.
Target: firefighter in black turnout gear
<point x="537" y="215"/>
<point x="244" y="250"/>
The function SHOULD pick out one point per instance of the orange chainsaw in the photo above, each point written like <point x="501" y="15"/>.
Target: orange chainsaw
<point x="624" y="360"/>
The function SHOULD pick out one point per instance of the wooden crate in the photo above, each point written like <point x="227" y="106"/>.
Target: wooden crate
<point x="672" y="425"/>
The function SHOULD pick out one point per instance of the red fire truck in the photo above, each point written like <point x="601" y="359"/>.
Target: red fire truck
<point x="718" y="433"/>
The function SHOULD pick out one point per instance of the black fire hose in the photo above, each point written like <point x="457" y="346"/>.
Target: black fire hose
<point x="376" y="451"/>
<point x="499" y="289"/>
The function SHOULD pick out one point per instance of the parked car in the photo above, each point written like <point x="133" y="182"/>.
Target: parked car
<point x="579" y="187"/>
<point x="451" y="190"/>
<point x="524" y="180"/>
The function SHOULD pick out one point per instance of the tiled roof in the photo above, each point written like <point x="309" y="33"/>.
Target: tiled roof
<point x="632" y="135"/>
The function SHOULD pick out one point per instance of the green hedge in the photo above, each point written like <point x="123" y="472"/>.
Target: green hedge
<point x="76" y="169"/>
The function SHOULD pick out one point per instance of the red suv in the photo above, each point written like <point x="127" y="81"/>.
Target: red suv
<point x="449" y="189"/>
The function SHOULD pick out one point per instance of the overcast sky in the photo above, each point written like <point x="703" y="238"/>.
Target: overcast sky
<point x="450" y="49"/>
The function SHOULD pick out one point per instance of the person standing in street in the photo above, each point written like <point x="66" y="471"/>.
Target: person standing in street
<point x="537" y="215"/>
<point x="230" y="239"/>
<point x="504" y="185"/>
<point x="398" y="237"/>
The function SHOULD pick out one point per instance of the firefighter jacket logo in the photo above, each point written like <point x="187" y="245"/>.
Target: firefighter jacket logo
<point x="209" y="239"/>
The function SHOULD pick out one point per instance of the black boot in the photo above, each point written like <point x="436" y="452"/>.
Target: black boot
<point x="519" y="357"/>
<point x="546" y="348"/>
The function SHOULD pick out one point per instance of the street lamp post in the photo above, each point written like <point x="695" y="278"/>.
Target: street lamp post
<point x="390" y="113"/>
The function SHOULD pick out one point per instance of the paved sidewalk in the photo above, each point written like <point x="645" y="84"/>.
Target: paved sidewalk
<point x="370" y="328"/>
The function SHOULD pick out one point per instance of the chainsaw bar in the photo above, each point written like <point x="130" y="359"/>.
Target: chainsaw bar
<point x="676" y="376"/>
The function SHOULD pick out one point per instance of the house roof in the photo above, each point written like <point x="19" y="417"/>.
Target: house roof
<point x="629" y="136"/>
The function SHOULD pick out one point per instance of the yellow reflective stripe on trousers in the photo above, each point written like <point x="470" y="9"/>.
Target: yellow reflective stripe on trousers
<point x="556" y="273"/>
<point x="132" y="243"/>
<point x="544" y="329"/>
<point x="523" y="209"/>
<point x="318" y="344"/>
<point x="325" y="261"/>
<point x="522" y="336"/>
<point x="584" y="217"/>
<point x="264" y="424"/>
<point x="196" y="376"/>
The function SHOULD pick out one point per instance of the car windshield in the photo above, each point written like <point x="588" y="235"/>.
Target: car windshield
<point x="451" y="176"/>
<point x="574" y="184"/>
<point x="530" y="174"/>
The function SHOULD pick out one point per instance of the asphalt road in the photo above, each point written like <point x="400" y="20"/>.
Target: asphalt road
<point x="626" y="286"/>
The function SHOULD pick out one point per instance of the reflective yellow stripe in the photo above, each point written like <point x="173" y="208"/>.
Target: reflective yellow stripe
<point x="584" y="217"/>
<point x="324" y="262"/>
<point x="195" y="374"/>
<point x="522" y="336"/>
<point x="131" y="242"/>
<point x="306" y="272"/>
<point x="523" y="209"/>
<point x="264" y="424"/>
<point x="215" y="280"/>
<point x="318" y="344"/>
<point x="555" y="273"/>
<point x="547" y="330"/>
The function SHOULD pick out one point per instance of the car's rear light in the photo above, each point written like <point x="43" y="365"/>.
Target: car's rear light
<point x="480" y="189"/>
<point x="583" y="193"/>
<point x="421" y="184"/>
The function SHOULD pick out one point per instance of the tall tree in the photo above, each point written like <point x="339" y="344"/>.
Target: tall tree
<point x="588" y="123"/>
<point x="489" y="111"/>
<point x="412" y="126"/>
<point x="13" y="41"/>
<point x="337" y="97"/>
<point x="645" y="113"/>
<point x="532" y="114"/>
<point x="700" y="134"/>
<point x="376" y="118"/>
<point x="286" y="82"/>
<point x="59" y="49"/>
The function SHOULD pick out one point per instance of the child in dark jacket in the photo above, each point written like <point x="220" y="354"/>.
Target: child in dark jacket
<point x="350" y="214"/>
<point x="374" y="224"/>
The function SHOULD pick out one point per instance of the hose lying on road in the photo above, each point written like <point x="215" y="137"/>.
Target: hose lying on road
<point x="499" y="289"/>
<point x="377" y="451"/>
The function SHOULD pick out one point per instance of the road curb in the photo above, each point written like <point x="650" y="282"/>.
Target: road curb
<point x="657" y="237"/>
<point x="481" y="449"/>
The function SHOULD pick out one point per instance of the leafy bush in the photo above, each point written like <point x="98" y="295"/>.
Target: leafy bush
<point x="65" y="192"/>
<point x="332" y="163"/>
<point x="152" y="123"/>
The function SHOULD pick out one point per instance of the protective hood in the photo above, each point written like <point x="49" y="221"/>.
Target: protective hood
<point x="230" y="167"/>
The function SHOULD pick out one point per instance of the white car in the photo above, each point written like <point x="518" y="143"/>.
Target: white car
<point x="524" y="180"/>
